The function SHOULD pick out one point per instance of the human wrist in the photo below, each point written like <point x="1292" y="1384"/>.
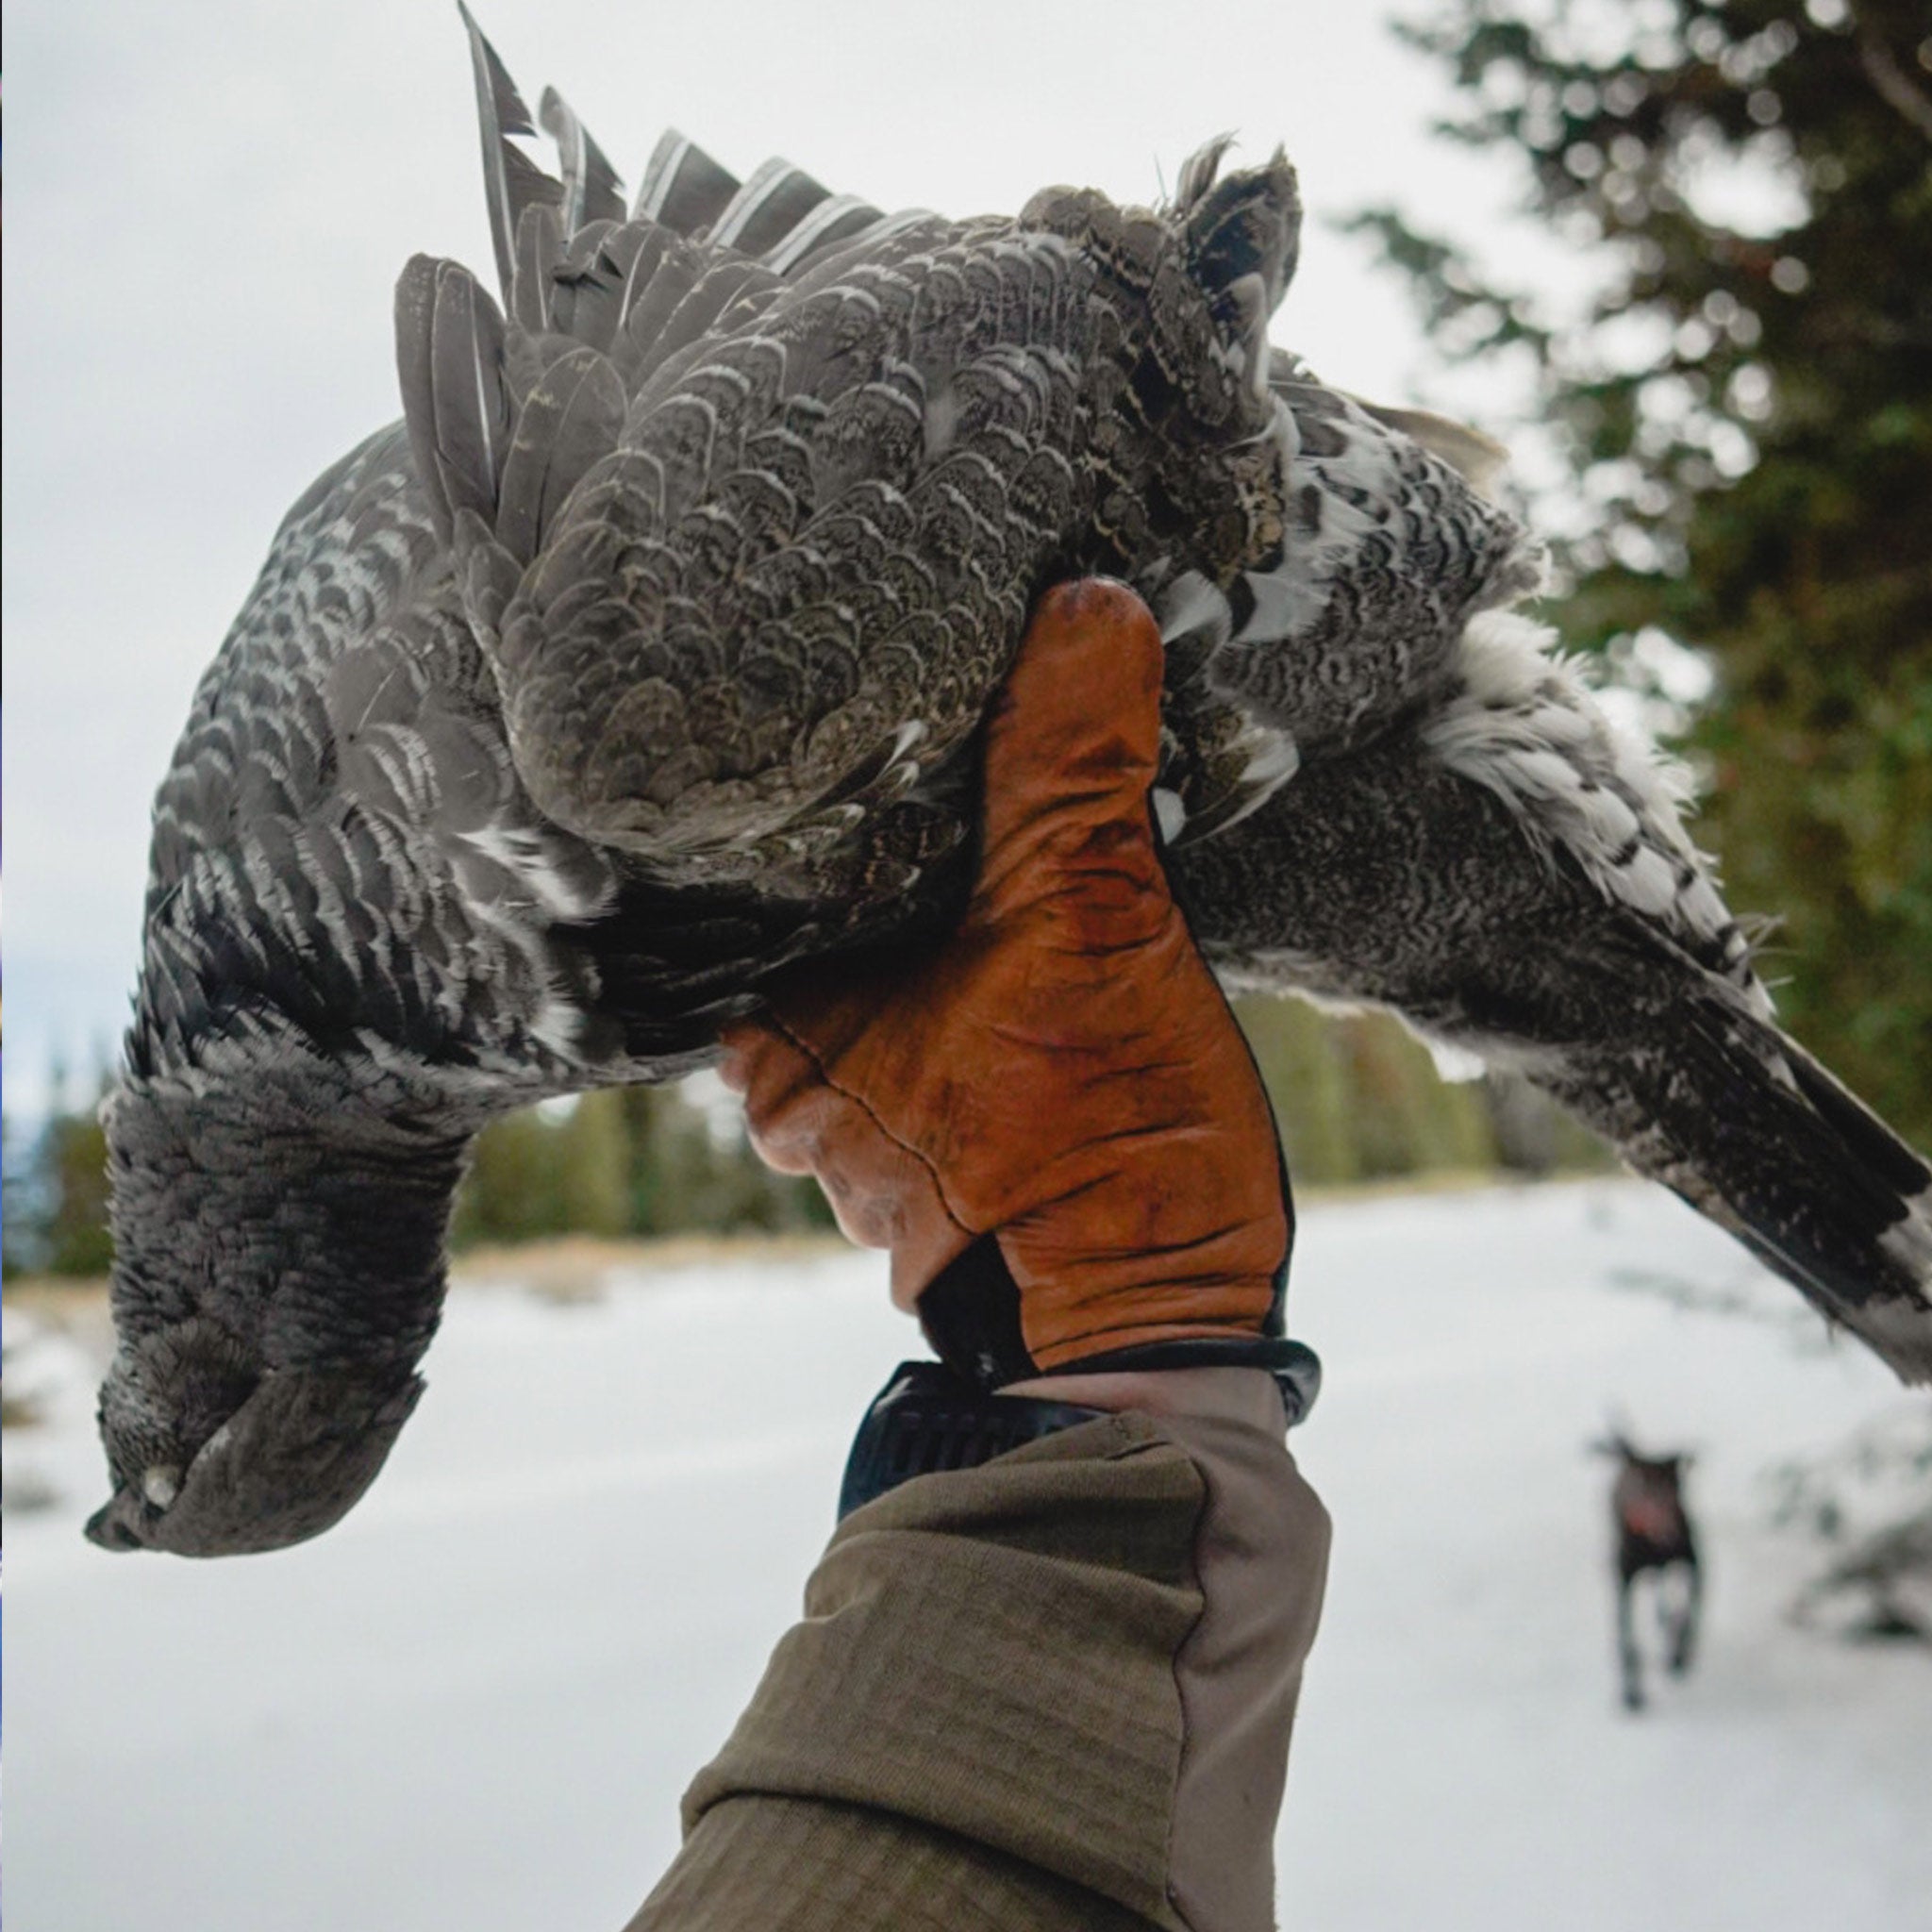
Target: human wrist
<point x="1250" y="1396"/>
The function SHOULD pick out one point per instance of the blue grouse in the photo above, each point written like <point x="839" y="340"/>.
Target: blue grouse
<point x="646" y="653"/>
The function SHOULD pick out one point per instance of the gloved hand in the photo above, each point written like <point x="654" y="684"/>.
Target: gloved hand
<point x="1053" y="1121"/>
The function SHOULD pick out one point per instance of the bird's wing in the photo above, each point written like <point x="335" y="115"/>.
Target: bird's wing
<point x="341" y="853"/>
<point x="1509" y="872"/>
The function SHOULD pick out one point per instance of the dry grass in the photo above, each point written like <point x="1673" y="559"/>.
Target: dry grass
<point x="73" y="1304"/>
<point x="573" y="1267"/>
<point x="20" y="1412"/>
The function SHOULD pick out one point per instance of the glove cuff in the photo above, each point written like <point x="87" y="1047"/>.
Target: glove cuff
<point x="971" y="1314"/>
<point x="927" y="1420"/>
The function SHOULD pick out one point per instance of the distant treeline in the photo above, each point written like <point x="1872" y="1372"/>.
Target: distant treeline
<point x="1358" y="1099"/>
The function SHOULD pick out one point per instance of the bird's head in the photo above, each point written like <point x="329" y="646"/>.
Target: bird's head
<point x="213" y="1454"/>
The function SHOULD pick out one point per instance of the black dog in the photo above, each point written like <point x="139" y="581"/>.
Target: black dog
<point x="1653" y="1533"/>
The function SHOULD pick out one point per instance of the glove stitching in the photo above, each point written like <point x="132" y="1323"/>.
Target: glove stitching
<point x="871" y="1113"/>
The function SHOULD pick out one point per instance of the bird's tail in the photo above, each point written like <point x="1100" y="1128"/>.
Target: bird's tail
<point x="1802" y="1173"/>
<point x="1873" y="1244"/>
<point x="508" y="407"/>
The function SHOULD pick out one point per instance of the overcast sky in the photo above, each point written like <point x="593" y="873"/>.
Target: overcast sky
<point x="207" y="203"/>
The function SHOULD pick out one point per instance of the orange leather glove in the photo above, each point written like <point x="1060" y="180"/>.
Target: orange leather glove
<point x="1053" y="1121"/>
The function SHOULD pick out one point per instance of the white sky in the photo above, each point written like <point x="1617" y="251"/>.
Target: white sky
<point x="208" y="204"/>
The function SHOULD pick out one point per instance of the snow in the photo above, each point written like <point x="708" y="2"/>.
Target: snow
<point x="476" y="1701"/>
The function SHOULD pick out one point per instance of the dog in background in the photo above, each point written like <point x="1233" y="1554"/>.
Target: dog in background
<point x="1654" y="1534"/>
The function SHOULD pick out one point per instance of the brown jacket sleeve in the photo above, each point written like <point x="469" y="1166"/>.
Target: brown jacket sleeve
<point x="983" y="1719"/>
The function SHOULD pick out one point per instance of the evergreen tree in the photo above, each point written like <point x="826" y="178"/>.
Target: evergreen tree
<point x="638" y="1161"/>
<point x="1532" y="1135"/>
<point x="55" y="1211"/>
<point x="509" y="1192"/>
<point x="592" y="1156"/>
<point x="1303" y="1063"/>
<point x="73" y="1164"/>
<point x="673" y="1161"/>
<point x="1356" y="1096"/>
<point x="1748" y="405"/>
<point x="1409" y="1120"/>
<point x="15" y="1248"/>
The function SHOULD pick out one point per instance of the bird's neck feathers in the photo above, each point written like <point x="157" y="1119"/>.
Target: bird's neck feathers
<point x="312" y="1228"/>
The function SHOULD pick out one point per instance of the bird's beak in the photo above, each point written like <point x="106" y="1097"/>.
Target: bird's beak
<point x="117" y="1524"/>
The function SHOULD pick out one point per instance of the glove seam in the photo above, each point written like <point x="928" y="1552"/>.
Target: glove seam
<point x="780" y="1024"/>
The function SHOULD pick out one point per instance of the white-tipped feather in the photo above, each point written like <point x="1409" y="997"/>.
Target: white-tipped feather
<point x="512" y="180"/>
<point x="1190" y="604"/>
<point x="1524" y="724"/>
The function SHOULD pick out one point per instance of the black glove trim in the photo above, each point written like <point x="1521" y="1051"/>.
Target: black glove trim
<point x="971" y="1315"/>
<point x="927" y="1420"/>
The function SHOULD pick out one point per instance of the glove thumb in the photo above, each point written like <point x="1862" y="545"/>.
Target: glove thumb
<point x="1071" y="747"/>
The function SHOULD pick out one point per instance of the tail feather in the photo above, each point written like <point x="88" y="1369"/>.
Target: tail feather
<point x="655" y="300"/>
<point x="638" y="250"/>
<point x="511" y="181"/>
<point x="571" y="420"/>
<point x="776" y="198"/>
<point x="838" y="219"/>
<point x="1244" y="234"/>
<point x="456" y="404"/>
<point x="715" y="292"/>
<point x="1737" y="1119"/>
<point x="591" y="190"/>
<point x="533" y="277"/>
<point x="588" y="284"/>
<point x="683" y="187"/>
<point x="1892" y="1163"/>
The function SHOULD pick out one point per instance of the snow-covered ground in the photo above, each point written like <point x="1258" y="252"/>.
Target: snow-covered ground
<point x="474" y="1702"/>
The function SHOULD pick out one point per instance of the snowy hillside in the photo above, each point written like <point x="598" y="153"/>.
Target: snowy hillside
<point x="475" y="1703"/>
